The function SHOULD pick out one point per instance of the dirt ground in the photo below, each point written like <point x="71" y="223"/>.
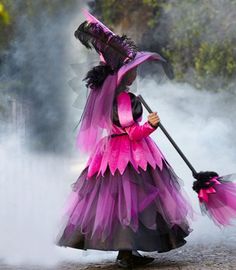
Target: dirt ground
<point x="197" y="257"/>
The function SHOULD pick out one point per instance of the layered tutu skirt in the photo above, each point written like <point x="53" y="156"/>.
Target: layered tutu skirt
<point x="137" y="210"/>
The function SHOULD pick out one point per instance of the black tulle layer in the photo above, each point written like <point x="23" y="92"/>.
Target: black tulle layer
<point x="97" y="217"/>
<point x="162" y="240"/>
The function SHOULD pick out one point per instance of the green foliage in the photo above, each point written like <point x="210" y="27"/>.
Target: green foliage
<point x="197" y="36"/>
<point x="215" y="59"/>
<point x="4" y="15"/>
<point x="5" y="24"/>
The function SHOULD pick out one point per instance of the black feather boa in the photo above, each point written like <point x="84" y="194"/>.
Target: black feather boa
<point x="97" y="75"/>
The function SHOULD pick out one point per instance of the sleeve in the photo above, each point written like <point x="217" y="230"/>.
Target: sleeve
<point x="138" y="132"/>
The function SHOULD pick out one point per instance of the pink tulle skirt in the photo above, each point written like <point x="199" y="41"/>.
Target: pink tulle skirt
<point x="145" y="211"/>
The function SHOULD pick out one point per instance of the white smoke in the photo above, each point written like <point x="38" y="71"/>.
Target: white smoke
<point x="34" y="187"/>
<point x="202" y="124"/>
<point x="216" y="14"/>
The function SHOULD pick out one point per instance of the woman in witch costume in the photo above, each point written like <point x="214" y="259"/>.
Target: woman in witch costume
<point x="128" y="197"/>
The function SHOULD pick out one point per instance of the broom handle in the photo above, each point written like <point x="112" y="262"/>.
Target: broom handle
<point x="169" y="137"/>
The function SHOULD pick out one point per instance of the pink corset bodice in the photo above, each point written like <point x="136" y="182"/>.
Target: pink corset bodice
<point x="135" y="146"/>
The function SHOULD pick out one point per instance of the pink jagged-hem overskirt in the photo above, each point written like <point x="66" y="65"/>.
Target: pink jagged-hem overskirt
<point x="135" y="147"/>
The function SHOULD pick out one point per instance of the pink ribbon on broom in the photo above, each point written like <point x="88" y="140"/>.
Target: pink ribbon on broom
<point x="204" y="192"/>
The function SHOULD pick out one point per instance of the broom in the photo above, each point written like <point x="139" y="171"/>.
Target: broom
<point x="217" y="194"/>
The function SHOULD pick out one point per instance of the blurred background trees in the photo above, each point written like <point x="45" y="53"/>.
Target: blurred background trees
<point x="5" y="24"/>
<point x="197" y="36"/>
<point x="10" y="10"/>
